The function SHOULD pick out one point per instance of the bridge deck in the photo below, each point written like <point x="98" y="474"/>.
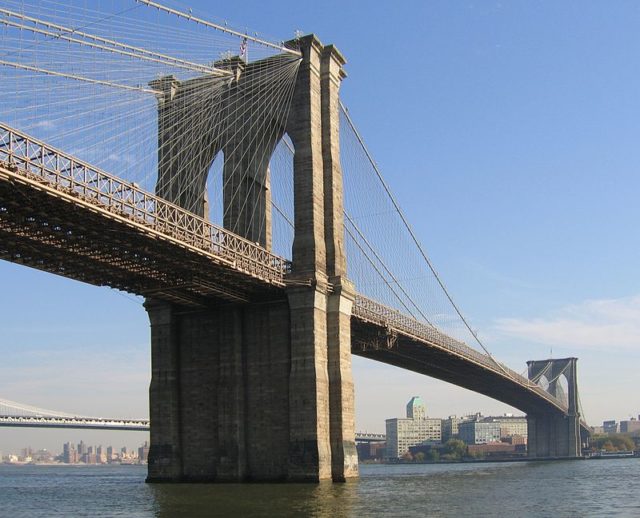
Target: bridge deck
<point x="64" y="216"/>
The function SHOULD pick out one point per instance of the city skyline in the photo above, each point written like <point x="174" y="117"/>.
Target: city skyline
<point x="51" y="439"/>
<point x="81" y="448"/>
<point x="530" y="183"/>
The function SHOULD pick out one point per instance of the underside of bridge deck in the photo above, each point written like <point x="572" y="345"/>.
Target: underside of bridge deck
<point x="439" y="363"/>
<point x="47" y="231"/>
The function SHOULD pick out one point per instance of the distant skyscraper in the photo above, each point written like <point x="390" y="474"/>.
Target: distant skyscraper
<point x="143" y="452"/>
<point x="101" y="456"/>
<point x="69" y="454"/>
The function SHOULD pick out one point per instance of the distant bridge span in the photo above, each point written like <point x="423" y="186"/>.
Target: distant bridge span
<point x="85" y="423"/>
<point x="102" y="423"/>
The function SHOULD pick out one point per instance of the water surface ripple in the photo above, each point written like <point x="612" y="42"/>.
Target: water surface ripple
<point x="560" y="489"/>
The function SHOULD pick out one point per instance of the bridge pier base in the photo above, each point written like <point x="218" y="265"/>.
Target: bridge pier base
<point x="554" y="435"/>
<point x="344" y="455"/>
<point x="219" y="393"/>
<point x="252" y="392"/>
<point x="309" y="447"/>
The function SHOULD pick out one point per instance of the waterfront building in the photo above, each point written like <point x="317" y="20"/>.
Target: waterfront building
<point x="450" y="426"/>
<point x="515" y="440"/>
<point x="610" y="427"/>
<point x="630" y="426"/>
<point x="479" y="432"/>
<point x="510" y="425"/>
<point x="377" y="449"/>
<point x="415" y="429"/>
<point x="370" y="450"/>
<point x="497" y="450"/>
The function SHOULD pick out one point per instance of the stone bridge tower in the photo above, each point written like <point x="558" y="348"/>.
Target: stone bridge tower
<point x="260" y="389"/>
<point x="555" y="434"/>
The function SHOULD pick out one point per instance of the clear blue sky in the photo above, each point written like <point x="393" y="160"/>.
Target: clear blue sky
<point x="507" y="130"/>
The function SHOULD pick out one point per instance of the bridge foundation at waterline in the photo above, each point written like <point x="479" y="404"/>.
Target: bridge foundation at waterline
<point x="259" y="387"/>
<point x="252" y="392"/>
<point x="553" y="436"/>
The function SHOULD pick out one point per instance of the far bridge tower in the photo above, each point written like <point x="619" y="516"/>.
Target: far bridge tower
<point x="556" y="434"/>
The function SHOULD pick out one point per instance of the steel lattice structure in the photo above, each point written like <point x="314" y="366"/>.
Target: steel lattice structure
<point x="33" y="167"/>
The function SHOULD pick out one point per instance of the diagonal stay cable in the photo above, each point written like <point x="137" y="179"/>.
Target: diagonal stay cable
<point x="415" y="239"/>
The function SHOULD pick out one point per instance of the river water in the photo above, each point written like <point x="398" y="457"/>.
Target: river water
<point x="608" y="487"/>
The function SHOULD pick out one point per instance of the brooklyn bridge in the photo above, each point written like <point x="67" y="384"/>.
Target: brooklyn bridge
<point x="234" y="192"/>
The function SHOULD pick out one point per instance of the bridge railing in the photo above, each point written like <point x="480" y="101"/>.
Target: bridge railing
<point x="372" y="311"/>
<point x="47" y="165"/>
<point x="385" y="316"/>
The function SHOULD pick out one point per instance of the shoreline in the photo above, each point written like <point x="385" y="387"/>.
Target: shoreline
<point x="481" y="461"/>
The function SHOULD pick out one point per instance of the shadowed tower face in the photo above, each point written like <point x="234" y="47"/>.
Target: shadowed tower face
<point x="260" y="390"/>
<point x="241" y="115"/>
